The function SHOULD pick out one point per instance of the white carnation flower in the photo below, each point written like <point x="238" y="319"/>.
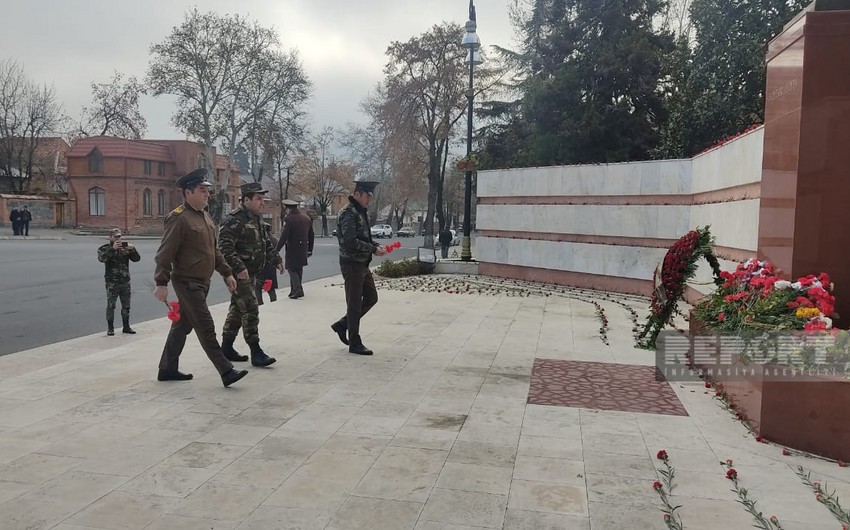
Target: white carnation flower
<point x="782" y="284"/>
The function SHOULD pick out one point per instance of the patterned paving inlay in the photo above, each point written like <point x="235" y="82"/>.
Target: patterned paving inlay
<point x="604" y="386"/>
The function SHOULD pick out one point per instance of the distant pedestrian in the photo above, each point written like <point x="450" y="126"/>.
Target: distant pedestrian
<point x="445" y="241"/>
<point x="298" y="238"/>
<point x="117" y="255"/>
<point x="187" y="257"/>
<point x="15" y="219"/>
<point x="269" y="273"/>
<point x="355" y="253"/>
<point x="24" y="225"/>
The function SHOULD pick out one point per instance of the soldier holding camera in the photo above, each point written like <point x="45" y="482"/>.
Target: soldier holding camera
<point x="117" y="255"/>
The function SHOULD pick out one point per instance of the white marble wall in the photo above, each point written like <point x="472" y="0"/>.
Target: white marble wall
<point x="734" y="223"/>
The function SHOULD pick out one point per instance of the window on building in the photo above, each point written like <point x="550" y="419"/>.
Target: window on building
<point x="146" y="202"/>
<point x="160" y="168"/>
<point x="160" y="202"/>
<point x="97" y="201"/>
<point x="96" y="161"/>
<point x="147" y="167"/>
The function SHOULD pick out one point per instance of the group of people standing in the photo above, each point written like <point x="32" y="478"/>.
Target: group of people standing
<point x="243" y="251"/>
<point x="20" y="220"/>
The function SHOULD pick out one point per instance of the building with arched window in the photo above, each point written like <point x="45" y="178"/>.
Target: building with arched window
<point x="114" y="180"/>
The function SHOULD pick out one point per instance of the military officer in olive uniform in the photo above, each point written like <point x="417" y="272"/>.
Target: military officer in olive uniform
<point x="355" y="253"/>
<point x="116" y="256"/>
<point x="298" y="238"/>
<point x="246" y="246"/>
<point x="187" y="257"/>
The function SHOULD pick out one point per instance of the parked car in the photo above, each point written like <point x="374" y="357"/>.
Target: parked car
<point x="382" y="231"/>
<point x="406" y="231"/>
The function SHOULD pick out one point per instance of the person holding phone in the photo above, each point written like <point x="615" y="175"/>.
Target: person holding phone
<point x="116" y="256"/>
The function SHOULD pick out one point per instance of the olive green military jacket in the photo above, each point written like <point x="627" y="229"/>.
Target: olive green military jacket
<point x="189" y="247"/>
<point x="353" y="234"/>
<point x="117" y="262"/>
<point x="245" y="243"/>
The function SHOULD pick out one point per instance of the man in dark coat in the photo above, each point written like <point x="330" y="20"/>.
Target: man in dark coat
<point x="15" y="219"/>
<point x="298" y="238"/>
<point x="356" y="249"/>
<point x="24" y="224"/>
<point x="445" y="241"/>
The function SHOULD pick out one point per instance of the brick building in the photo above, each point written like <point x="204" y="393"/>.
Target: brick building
<point x="130" y="183"/>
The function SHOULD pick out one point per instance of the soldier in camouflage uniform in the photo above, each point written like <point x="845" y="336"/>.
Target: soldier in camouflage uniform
<point x="355" y="254"/>
<point x="116" y="255"/>
<point x="247" y="248"/>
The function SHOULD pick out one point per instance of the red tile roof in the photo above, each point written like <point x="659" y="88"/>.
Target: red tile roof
<point x="121" y="147"/>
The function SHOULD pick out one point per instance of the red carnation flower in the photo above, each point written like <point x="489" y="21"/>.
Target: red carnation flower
<point x="731" y="474"/>
<point x="657" y="486"/>
<point x="662" y="455"/>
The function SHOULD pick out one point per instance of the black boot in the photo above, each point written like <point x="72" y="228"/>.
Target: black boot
<point x="272" y="296"/>
<point x="341" y="331"/>
<point x="110" y="327"/>
<point x="259" y="295"/>
<point x="259" y="357"/>
<point x="175" y="375"/>
<point x="127" y="329"/>
<point x="231" y="354"/>
<point x="232" y="376"/>
<point x="357" y="346"/>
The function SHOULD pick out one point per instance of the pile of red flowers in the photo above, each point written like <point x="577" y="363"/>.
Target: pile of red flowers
<point x="752" y="297"/>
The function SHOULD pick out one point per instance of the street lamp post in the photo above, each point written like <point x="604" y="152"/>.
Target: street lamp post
<point x="472" y="43"/>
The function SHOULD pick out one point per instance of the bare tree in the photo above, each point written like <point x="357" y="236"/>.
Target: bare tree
<point x="426" y="86"/>
<point x="28" y="114"/>
<point x="321" y="175"/>
<point x="114" y="110"/>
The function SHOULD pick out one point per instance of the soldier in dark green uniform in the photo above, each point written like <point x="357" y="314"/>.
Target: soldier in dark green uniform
<point x="247" y="248"/>
<point x="187" y="257"/>
<point x="117" y="255"/>
<point x="355" y="253"/>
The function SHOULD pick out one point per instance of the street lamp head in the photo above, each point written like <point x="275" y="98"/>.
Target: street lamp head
<point x="476" y="57"/>
<point x="470" y="39"/>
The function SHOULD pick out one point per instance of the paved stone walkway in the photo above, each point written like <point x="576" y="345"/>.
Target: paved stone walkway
<point x="433" y="432"/>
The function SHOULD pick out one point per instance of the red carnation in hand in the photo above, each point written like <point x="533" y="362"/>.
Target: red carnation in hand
<point x="267" y="286"/>
<point x="173" y="311"/>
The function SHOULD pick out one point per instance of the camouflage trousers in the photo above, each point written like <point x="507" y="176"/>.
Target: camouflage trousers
<point x="114" y="291"/>
<point x="244" y="313"/>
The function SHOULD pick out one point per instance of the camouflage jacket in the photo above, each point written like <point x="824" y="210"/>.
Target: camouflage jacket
<point x="353" y="234"/>
<point x="117" y="262"/>
<point x="245" y="244"/>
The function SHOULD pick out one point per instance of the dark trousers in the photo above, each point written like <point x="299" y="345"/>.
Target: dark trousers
<point x="296" y="274"/>
<point x="444" y="250"/>
<point x="16" y="227"/>
<point x="25" y="228"/>
<point x="194" y="314"/>
<point x="360" y="295"/>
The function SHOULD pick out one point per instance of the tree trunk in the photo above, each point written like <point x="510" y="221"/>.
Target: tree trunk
<point x="324" y="224"/>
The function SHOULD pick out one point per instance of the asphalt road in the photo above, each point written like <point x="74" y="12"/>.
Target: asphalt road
<point x="54" y="290"/>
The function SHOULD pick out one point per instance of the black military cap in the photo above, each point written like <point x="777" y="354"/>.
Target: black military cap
<point x="194" y="178"/>
<point x="290" y="203"/>
<point x="365" y="186"/>
<point x="252" y="188"/>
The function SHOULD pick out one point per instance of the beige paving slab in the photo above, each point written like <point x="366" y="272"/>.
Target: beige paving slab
<point x="266" y="517"/>
<point x="620" y="465"/>
<point x="75" y="487"/>
<point x="475" y="477"/>
<point x="36" y="468"/>
<point x="465" y="508"/>
<point x="483" y="454"/>
<point x="310" y="493"/>
<point x="364" y="513"/>
<point x="615" y="516"/>
<point x="246" y="471"/>
<point x="620" y="490"/>
<point x="397" y="484"/>
<point x="566" y="499"/>
<point x="29" y="513"/>
<point x="206" y="455"/>
<point x="345" y="443"/>
<point x="235" y="434"/>
<point x="555" y="470"/>
<point x="165" y="480"/>
<point x="221" y="502"/>
<point x="349" y="467"/>
<point x="121" y="510"/>
<point x="10" y="490"/>
<point x="178" y="522"/>
<point x="526" y="520"/>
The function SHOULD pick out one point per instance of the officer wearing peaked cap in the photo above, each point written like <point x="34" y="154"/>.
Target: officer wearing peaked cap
<point x="298" y="238"/>
<point x="356" y="249"/>
<point x="186" y="258"/>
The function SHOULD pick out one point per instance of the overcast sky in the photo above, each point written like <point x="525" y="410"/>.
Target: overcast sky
<point x="72" y="43"/>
